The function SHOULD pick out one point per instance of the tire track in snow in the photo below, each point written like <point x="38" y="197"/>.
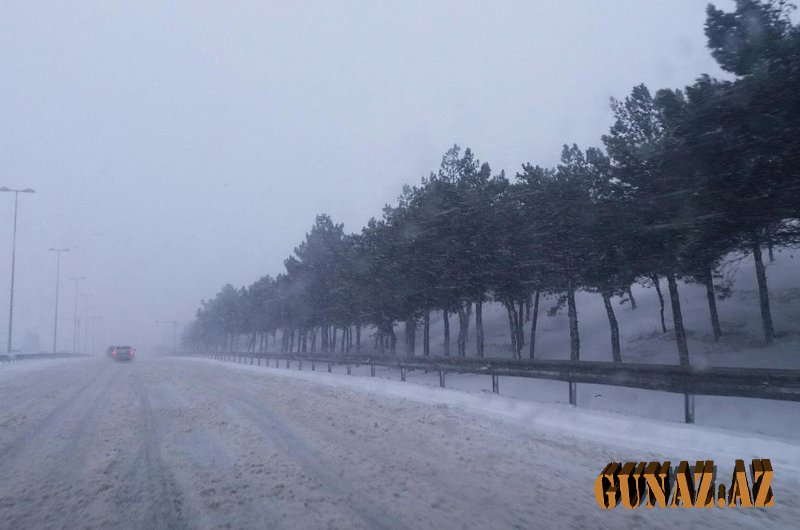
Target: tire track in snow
<point x="150" y="487"/>
<point x="52" y="420"/>
<point x="281" y="435"/>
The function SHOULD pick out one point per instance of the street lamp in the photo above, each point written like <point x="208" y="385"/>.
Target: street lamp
<point x="75" y="319"/>
<point x="174" y="332"/>
<point x="58" y="252"/>
<point x="13" y="259"/>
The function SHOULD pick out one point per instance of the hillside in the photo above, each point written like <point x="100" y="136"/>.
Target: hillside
<point x="640" y="329"/>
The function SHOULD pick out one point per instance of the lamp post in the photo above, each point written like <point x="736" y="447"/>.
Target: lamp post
<point x="58" y="252"/>
<point x="174" y="332"/>
<point x="75" y="319"/>
<point x="13" y="259"/>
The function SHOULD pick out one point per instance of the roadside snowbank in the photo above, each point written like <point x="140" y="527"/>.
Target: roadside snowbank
<point x="686" y="441"/>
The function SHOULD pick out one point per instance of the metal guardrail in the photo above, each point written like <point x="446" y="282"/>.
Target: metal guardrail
<point x="35" y="356"/>
<point x="763" y="383"/>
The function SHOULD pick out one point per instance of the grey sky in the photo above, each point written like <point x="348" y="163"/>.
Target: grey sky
<point x="177" y="146"/>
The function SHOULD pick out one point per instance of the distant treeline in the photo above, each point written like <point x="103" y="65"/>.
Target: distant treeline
<point x="684" y="178"/>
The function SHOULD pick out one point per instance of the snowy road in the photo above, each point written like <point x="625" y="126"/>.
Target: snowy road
<point x="174" y="443"/>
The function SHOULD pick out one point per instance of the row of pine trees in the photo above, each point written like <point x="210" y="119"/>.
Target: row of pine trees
<point x="684" y="179"/>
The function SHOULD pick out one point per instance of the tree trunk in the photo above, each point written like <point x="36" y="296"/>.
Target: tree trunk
<point x="446" y="319"/>
<point x="521" y="328"/>
<point x="763" y="295"/>
<point x="632" y="299"/>
<point x="656" y="282"/>
<point x="534" y="319"/>
<point x="334" y="335"/>
<point x="313" y="340"/>
<point x="411" y="336"/>
<point x="708" y="280"/>
<point x="358" y="336"/>
<point x="677" y="319"/>
<point x="344" y="340"/>
<point x="324" y="338"/>
<point x="612" y="322"/>
<point x="393" y="339"/>
<point x="426" y="334"/>
<point x="528" y="303"/>
<point x="464" y="313"/>
<point x="769" y="250"/>
<point x="574" y="338"/>
<point x="479" y="327"/>
<point x="460" y="343"/>
<point x="512" y="327"/>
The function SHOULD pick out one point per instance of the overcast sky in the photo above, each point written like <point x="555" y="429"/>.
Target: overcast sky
<point x="177" y="146"/>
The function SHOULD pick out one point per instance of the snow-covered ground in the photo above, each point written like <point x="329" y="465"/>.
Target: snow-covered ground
<point x="177" y="443"/>
<point x="640" y="329"/>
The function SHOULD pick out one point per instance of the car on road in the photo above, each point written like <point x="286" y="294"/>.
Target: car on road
<point x="121" y="353"/>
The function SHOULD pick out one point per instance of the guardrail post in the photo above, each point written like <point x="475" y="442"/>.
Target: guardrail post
<point x="495" y="384"/>
<point x="441" y="378"/>
<point x="329" y="368"/>
<point x="402" y="374"/>
<point x="287" y="363"/>
<point x="300" y="365"/>
<point x="348" y="369"/>
<point x="688" y="402"/>
<point x="372" y="370"/>
<point x="313" y="366"/>
<point x="573" y="394"/>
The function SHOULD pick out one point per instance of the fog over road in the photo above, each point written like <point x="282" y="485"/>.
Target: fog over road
<point x="174" y="443"/>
